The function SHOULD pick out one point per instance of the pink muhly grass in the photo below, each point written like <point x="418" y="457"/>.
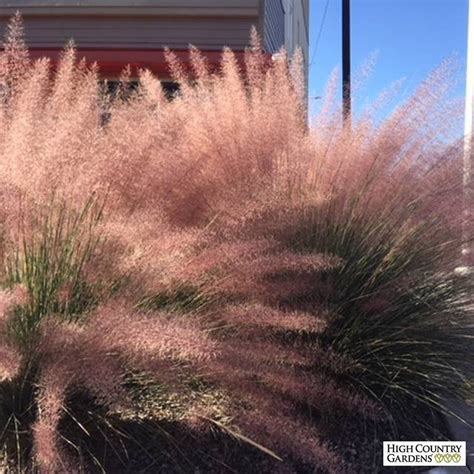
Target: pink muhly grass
<point x="96" y="357"/>
<point x="285" y="432"/>
<point x="14" y="62"/>
<point x="45" y="430"/>
<point x="258" y="316"/>
<point x="10" y="298"/>
<point x="144" y="337"/>
<point x="306" y="240"/>
<point x="9" y="363"/>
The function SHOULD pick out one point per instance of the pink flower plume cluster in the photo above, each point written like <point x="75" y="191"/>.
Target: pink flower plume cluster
<point x="224" y="198"/>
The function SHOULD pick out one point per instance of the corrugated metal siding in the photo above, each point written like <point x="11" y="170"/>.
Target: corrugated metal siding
<point x="273" y="25"/>
<point x="126" y="7"/>
<point x="208" y="24"/>
<point x="133" y="3"/>
<point x="136" y="32"/>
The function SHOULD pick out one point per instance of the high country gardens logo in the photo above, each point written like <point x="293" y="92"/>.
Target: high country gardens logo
<point x="424" y="453"/>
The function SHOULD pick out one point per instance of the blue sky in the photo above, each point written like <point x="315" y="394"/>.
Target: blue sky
<point x="411" y="38"/>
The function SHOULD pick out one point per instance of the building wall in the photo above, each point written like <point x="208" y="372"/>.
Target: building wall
<point x="136" y="32"/>
<point x="141" y="24"/>
<point x="297" y="29"/>
<point x="154" y="24"/>
<point x="273" y="25"/>
<point x="163" y="7"/>
<point x="297" y="26"/>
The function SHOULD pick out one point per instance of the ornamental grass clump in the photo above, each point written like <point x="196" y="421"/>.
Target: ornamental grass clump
<point x="48" y="261"/>
<point x="268" y="288"/>
<point x="63" y="334"/>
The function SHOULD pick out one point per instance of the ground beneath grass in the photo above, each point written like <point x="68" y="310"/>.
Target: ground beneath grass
<point x="132" y="445"/>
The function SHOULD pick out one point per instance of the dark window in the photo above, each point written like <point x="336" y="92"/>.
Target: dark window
<point x="114" y="87"/>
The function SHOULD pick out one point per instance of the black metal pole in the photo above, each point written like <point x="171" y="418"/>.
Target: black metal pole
<point x="346" y="60"/>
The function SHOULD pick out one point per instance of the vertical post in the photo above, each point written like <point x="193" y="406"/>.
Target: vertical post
<point x="468" y="139"/>
<point x="346" y="61"/>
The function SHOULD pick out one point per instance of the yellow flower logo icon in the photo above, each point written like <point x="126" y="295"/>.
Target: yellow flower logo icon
<point x="447" y="458"/>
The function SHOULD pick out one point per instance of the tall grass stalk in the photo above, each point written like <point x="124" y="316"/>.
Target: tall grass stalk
<point x="49" y="263"/>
